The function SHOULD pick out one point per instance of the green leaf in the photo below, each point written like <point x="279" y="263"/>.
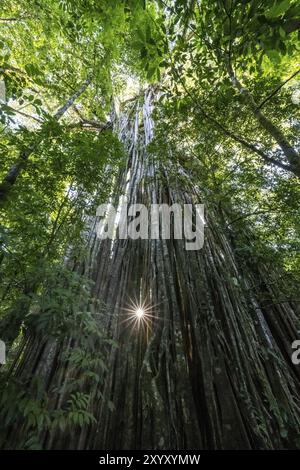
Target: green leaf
<point x="151" y="72"/>
<point x="282" y="32"/>
<point x="144" y="52"/>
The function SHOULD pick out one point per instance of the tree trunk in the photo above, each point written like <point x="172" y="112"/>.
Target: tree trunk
<point x="288" y="150"/>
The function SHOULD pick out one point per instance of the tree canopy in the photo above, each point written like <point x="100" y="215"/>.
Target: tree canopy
<point x="226" y="76"/>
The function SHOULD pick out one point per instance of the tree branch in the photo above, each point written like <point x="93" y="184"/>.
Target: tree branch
<point x="277" y="89"/>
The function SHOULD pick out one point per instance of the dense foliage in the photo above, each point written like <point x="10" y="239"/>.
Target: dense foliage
<point x="227" y="111"/>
